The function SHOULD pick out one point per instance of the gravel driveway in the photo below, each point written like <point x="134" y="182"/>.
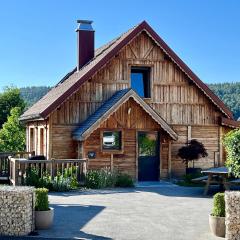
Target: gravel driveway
<point x="151" y="211"/>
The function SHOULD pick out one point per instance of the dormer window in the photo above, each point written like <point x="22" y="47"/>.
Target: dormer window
<point x="140" y="81"/>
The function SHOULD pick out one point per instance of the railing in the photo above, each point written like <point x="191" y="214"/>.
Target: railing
<point x="5" y="164"/>
<point x="19" y="167"/>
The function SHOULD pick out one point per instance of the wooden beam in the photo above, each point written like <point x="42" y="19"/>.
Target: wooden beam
<point x="148" y="51"/>
<point x="133" y="52"/>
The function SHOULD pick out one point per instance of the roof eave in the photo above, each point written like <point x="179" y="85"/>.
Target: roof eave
<point x="229" y="122"/>
<point x="30" y="118"/>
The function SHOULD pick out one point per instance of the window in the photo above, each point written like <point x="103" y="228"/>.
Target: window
<point x="111" y="140"/>
<point x="140" y="81"/>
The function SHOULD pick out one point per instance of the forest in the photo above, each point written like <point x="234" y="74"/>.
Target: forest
<point x="228" y="92"/>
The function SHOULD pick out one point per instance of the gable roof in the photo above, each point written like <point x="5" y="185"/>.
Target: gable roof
<point x="110" y="106"/>
<point x="73" y="80"/>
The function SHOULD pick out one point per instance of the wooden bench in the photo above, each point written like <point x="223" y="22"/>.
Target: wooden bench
<point x="200" y="179"/>
<point x="205" y="179"/>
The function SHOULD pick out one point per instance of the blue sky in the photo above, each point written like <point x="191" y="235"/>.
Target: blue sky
<point x="38" y="39"/>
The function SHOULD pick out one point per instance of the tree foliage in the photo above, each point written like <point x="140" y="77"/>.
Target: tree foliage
<point x="232" y="145"/>
<point x="230" y="94"/>
<point x="192" y="151"/>
<point x="12" y="134"/>
<point x="9" y="99"/>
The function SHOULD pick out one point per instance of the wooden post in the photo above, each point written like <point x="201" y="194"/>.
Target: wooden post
<point x="15" y="174"/>
<point x="84" y="168"/>
<point x="221" y="160"/>
<point x="189" y="133"/>
<point x="170" y="159"/>
<point x="136" y="153"/>
<point x="27" y="138"/>
<point x="52" y="168"/>
<point x="111" y="162"/>
<point x="160" y="157"/>
<point x="189" y="138"/>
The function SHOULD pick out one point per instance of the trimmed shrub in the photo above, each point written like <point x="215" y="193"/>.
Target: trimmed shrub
<point x="41" y="202"/>
<point x="218" y="205"/>
<point x="124" y="180"/>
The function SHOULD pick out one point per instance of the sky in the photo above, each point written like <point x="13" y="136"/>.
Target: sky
<point x="38" y="38"/>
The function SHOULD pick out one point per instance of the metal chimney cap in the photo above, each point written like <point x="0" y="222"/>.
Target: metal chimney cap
<point x="84" y="25"/>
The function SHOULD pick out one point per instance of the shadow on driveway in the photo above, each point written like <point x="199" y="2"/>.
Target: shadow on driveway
<point x="70" y="219"/>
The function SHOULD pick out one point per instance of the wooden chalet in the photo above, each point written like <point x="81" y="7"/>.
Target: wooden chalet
<point x="130" y="105"/>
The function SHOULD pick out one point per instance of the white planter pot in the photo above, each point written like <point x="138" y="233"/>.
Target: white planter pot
<point x="217" y="225"/>
<point x="44" y="219"/>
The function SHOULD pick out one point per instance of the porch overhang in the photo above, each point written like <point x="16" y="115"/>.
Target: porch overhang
<point x="111" y="106"/>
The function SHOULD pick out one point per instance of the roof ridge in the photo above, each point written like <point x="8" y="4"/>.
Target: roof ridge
<point x="73" y="80"/>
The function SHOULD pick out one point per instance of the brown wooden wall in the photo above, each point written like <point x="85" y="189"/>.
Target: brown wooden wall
<point x="124" y="161"/>
<point x="174" y="96"/>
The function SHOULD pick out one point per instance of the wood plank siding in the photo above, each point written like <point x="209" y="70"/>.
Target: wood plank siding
<point x="173" y="95"/>
<point x="129" y="122"/>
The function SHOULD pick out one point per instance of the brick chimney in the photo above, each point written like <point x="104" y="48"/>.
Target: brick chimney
<point x="85" y="43"/>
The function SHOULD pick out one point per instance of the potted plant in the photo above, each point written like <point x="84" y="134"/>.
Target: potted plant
<point x="192" y="151"/>
<point x="43" y="213"/>
<point x="217" y="217"/>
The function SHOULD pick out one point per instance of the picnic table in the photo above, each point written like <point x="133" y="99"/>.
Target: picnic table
<point x="218" y="176"/>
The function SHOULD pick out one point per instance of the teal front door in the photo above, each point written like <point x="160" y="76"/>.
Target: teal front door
<point x="148" y="156"/>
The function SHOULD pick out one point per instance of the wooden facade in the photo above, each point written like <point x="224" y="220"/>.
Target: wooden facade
<point x="174" y="96"/>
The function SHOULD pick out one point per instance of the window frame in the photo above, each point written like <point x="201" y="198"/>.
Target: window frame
<point x="144" y="69"/>
<point x="121" y="140"/>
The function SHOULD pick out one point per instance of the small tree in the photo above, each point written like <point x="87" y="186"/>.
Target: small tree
<point x="192" y="151"/>
<point x="232" y="145"/>
<point x="12" y="134"/>
<point x="9" y="99"/>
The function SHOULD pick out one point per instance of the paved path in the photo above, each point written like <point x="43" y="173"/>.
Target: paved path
<point x="163" y="211"/>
